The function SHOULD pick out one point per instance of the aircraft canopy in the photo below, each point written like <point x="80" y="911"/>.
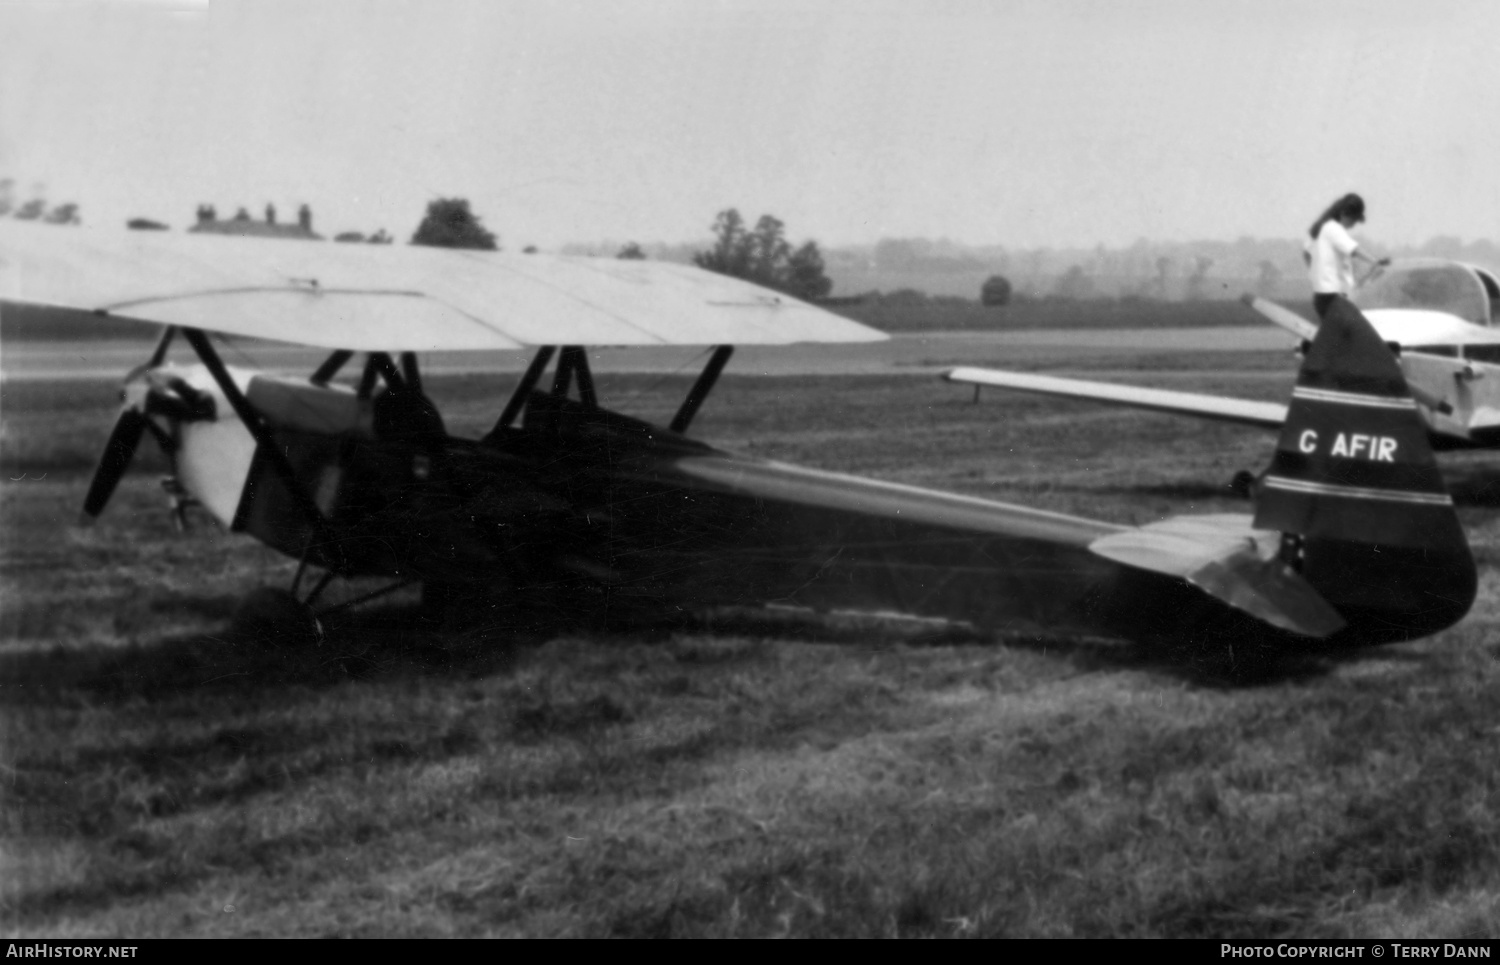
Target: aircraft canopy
<point x="1441" y="286"/>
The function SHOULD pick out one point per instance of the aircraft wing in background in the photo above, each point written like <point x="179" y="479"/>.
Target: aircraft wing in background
<point x="1282" y="317"/>
<point x="1267" y="415"/>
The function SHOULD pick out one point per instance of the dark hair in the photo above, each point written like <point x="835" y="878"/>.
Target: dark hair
<point x="1350" y="204"/>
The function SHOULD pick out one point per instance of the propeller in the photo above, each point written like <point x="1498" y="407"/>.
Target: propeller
<point x="118" y="452"/>
<point x="147" y="391"/>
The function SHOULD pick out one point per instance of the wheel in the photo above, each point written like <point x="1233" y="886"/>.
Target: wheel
<point x="274" y="618"/>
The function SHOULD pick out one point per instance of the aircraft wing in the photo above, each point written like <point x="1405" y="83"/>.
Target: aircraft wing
<point x="1282" y="317"/>
<point x="1223" y="408"/>
<point x="1410" y="328"/>
<point x="1227" y="557"/>
<point x="396" y="297"/>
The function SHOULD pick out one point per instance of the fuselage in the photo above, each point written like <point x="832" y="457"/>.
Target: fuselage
<point x="599" y="509"/>
<point x="605" y="505"/>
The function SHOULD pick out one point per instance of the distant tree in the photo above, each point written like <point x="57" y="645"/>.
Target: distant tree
<point x="1197" y="283"/>
<point x="380" y="237"/>
<point x="631" y="252"/>
<point x="349" y="237"/>
<point x="995" y="291"/>
<point x="145" y="224"/>
<point x="769" y="250"/>
<point x="896" y="254"/>
<point x="764" y="256"/>
<point x="1163" y="268"/>
<point x="1269" y="279"/>
<point x="529" y="250"/>
<point x="806" y="276"/>
<point x="450" y="224"/>
<point x="31" y="210"/>
<point x="922" y="255"/>
<point x="1074" y="285"/>
<point x="63" y="214"/>
<point x="730" y="254"/>
<point x="904" y="296"/>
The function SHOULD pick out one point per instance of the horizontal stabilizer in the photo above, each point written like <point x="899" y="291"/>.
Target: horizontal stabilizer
<point x="1228" y="559"/>
<point x="1484" y="417"/>
<point x="1283" y="317"/>
<point x="1269" y="415"/>
<point x="389" y="298"/>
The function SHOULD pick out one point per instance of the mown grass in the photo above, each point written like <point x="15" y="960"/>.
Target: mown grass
<point x="1052" y="314"/>
<point x="744" y="774"/>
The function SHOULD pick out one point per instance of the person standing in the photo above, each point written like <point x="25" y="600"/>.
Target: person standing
<point x="1331" y="252"/>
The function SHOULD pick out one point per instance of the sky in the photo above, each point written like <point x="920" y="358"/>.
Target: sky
<point x="1056" y="123"/>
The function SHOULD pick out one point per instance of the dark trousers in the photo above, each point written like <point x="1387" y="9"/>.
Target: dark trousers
<point x="1322" y="301"/>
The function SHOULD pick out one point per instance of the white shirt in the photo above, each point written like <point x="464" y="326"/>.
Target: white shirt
<point x="1331" y="270"/>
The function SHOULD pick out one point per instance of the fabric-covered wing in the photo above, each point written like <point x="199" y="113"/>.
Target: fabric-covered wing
<point x="1268" y="415"/>
<point x="397" y="297"/>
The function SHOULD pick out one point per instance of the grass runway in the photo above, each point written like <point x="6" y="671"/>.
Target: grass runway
<point x="746" y="773"/>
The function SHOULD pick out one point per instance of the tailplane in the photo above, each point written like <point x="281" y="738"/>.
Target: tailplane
<point x="1355" y="489"/>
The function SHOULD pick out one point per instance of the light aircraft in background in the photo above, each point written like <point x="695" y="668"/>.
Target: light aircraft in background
<point x="564" y="500"/>
<point x="1439" y="316"/>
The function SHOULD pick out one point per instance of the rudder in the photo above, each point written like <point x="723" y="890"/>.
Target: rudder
<point x="1356" y="488"/>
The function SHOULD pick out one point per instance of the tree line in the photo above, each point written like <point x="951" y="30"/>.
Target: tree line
<point x="36" y="208"/>
<point x="762" y="254"/>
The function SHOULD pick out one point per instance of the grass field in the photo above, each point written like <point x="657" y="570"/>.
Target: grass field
<point x="748" y="774"/>
<point x="1051" y="314"/>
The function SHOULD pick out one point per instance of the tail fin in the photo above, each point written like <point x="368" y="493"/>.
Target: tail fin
<point x="1355" y="487"/>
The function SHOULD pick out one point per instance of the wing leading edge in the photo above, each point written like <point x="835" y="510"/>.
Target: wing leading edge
<point x="1267" y="415"/>
<point x="397" y="297"/>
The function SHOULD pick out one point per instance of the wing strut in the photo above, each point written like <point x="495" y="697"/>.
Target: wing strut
<point x="368" y="378"/>
<point x="573" y="364"/>
<point x="523" y="389"/>
<point x="382" y="363"/>
<point x="699" y="392"/>
<point x="409" y="369"/>
<point x="163" y="343"/>
<point x="266" y="447"/>
<point x="330" y="367"/>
